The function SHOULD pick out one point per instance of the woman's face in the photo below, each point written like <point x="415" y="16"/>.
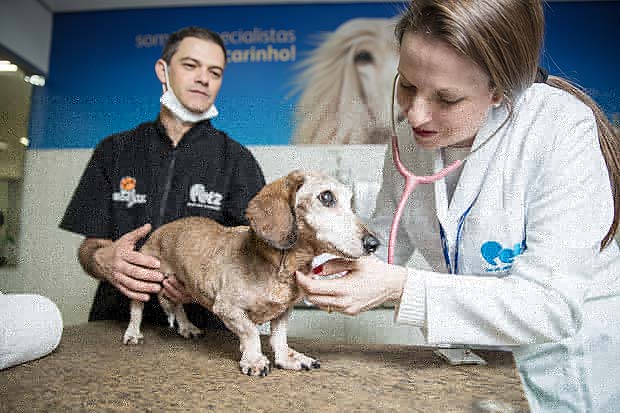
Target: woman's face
<point x="443" y="94"/>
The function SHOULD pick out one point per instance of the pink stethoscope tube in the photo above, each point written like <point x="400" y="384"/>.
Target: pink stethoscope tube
<point x="412" y="180"/>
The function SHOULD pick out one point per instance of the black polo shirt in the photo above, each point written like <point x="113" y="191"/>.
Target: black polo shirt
<point x="138" y="177"/>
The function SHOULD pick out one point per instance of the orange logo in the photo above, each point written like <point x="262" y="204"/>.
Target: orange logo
<point x="128" y="183"/>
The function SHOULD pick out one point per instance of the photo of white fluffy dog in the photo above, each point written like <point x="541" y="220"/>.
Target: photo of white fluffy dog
<point x="345" y="84"/>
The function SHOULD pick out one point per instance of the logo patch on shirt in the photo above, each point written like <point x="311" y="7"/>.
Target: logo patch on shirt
<point x="128" y="192"/>
<point x="500" y="259"/>
<point x="201" y="198"/>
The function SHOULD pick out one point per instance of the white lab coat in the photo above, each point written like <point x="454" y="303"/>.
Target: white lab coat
<point x="532" y="204"/>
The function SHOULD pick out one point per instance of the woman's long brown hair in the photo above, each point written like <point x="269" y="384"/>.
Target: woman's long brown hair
<point x="504" y="38"/>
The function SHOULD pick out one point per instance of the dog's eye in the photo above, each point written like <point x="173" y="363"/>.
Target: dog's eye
<point x="327" y="198"/>
<point x="363" y="57"/>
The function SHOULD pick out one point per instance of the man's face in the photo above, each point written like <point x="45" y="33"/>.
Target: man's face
<point x="195" y="73"/>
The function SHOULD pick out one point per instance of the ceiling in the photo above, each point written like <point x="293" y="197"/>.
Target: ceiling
<point x="59" y="6"/>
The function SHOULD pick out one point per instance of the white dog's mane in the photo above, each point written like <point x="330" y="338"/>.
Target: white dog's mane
<point x="346" y="84"/>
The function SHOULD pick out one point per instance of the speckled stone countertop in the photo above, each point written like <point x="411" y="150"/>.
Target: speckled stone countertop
<point x="92" y="371"/>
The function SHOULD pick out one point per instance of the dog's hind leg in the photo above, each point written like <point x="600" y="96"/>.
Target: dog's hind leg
<point x="286" y="357"/>
<point x="253" y="362"/>
<point x="169" y="308"/>
<point x="133" y="334"/>
<point x="186" y="328"/>
<point x="177" y="312"/>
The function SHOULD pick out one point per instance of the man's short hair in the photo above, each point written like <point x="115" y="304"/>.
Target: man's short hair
<point x="172" y="44"/>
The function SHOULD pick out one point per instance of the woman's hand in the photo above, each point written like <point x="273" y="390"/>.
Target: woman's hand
<point x="369" y="282"/>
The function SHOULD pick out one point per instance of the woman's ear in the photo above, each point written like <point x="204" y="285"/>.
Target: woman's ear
<point x="497" y="98"/>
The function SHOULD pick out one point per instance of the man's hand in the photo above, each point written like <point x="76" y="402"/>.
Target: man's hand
<point x="134" y="274"/>
<point x="175" y="291"/>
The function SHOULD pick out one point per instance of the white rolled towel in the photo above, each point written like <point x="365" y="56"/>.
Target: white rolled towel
<point x="30" y="327"/>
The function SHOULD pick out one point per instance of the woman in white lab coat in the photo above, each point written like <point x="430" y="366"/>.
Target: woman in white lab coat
<point x="520" y="238"/>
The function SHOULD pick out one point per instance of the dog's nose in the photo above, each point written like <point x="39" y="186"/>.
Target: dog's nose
<point x="370" y="243"/>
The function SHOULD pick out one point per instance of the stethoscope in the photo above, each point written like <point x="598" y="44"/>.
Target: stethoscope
<point x="412" y="180"/>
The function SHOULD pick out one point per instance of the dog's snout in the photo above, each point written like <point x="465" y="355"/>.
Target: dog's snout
<point x="370" y="243"/>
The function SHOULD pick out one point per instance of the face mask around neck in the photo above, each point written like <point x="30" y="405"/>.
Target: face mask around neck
<point x="170" y="101"/>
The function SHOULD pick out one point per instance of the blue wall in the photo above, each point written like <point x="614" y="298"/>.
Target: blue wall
<point x="101" y="77"/>
<point x="581" y="44"/>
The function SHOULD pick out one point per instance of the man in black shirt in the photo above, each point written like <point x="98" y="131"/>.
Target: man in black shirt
<point x="177" y="166"/>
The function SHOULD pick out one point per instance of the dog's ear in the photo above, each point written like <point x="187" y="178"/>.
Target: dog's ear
<point x="271" y="211"/>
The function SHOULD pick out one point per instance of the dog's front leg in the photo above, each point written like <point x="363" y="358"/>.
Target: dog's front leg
<point x="132" y="334"/>
<point x="286" y="357"/>
<point x="253" y="362"/>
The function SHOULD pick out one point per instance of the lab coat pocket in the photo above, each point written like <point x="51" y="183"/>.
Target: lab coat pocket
<point x="491" y="243"/>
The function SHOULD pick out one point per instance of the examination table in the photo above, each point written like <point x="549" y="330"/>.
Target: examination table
<point x="92" y="371"/>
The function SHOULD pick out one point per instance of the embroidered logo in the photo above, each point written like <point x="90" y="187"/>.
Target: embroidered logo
<point x="128" y="193"/>
<point x="499" y="258"/>
<point x="201" y="198"/>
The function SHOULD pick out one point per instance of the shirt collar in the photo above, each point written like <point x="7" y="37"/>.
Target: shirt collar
<point x="196" y="132"/>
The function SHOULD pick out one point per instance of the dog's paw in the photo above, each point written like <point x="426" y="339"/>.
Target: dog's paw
<point x="189" y="331"/>
<point x="132" y="337"/>
<point x="293" y="360"/>
<point x="257" y="366"/>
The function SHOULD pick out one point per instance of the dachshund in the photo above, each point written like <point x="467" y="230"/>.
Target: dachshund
<point x="246" y="274"/>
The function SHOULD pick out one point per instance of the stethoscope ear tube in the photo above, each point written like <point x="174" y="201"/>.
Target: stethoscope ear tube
<point x="411" y="180"/>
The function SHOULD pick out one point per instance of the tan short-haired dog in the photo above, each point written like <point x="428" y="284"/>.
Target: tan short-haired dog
<point x="246" y="275"/>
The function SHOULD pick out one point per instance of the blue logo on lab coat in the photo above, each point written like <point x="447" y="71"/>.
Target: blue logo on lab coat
<point x="500" y="258"/>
